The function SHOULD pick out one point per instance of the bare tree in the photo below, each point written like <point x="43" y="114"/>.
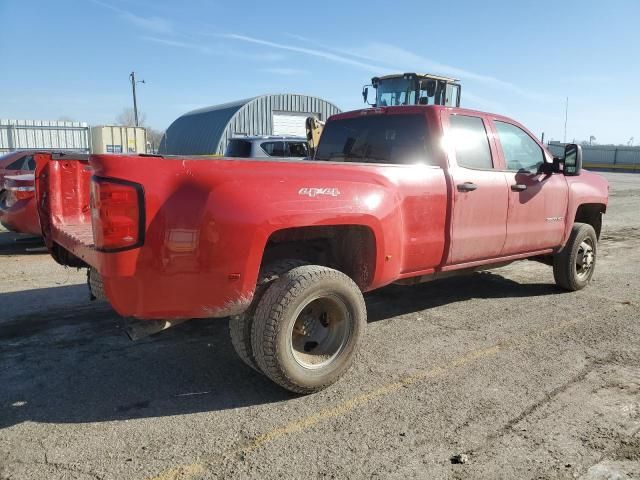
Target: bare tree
<point x="153" y="138"/>
<point x="128" y="119"/>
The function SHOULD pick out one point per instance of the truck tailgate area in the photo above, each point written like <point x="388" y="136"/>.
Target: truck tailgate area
<point x="63" y="193"/>
<point x="76" y="239"/>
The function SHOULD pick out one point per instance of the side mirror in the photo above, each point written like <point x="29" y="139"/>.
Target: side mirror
<point x="572" y="160"/>
<point x="365" y="95"/>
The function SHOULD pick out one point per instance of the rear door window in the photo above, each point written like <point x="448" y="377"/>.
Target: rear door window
<point x="274" y="149"/>
<point x="470" y="142"/>
<point x="297" y="149"/>
<point x="18" y="164"/>
<point x="400" y="139"/>
<point x="238" y="148"/>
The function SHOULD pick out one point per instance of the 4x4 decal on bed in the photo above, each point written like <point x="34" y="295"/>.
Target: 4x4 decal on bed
<point x="314" y="192"/>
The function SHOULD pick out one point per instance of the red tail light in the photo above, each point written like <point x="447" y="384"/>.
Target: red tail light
<point x="117" y="214"/>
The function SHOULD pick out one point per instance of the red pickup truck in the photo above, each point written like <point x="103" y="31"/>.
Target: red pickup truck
<point x="286" y="248"/>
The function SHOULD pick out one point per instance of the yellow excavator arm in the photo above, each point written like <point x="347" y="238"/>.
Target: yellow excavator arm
<point x="314" y="131"/>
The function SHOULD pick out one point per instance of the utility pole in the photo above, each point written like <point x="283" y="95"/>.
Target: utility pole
<point x="566" y="115"/>
<point x="132" y="78"/>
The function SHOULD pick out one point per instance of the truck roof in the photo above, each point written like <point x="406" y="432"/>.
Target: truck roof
<point x="415" y="109"/>
<point x="429" y="75"/>
<point x="421" y="110"/>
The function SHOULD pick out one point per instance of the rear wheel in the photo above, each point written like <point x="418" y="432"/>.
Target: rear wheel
<point x="240" y="325"/>
<point x="573" y="267"/>
<point x="307" y="328"/>
<point x="96" y="287"/>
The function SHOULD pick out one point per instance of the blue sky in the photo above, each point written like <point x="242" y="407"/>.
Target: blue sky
<point x="69" y="58"/>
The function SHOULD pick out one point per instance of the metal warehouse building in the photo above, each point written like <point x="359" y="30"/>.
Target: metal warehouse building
<point x="206" y="131"/>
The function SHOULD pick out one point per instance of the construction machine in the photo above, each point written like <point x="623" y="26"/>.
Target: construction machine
<point x="314" y="130"/>
<point x="413" y="89"/>
<point x="399" y="89"/>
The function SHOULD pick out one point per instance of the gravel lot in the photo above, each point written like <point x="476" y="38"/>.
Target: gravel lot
<point x="518" y="378"/>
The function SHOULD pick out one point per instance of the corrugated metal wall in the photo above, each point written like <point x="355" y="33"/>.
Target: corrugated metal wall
<point x="256" y="117"/>
<point x="207" y="131"/>
<point x="200" y="130"/>
<point x="605" y="157"/>
<point x="43" y="134"/>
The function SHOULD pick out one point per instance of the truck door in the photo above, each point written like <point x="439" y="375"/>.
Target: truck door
<point x="537" y="202"/>
<point x="479" y="211"/>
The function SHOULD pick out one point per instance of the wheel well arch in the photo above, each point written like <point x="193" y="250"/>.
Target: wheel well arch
<point x="350" y="249"/>
<point x="591" y="213"/>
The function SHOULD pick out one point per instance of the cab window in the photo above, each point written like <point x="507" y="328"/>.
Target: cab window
<point x="521" y="152"/>
<point x="398" y="139"/>
<point x="470" y="142"/>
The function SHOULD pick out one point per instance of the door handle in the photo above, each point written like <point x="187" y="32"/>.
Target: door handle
<point x="518" y="187"/>
<point x="467" y="187"/>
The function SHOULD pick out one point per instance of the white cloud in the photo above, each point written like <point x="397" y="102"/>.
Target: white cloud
<point x="179" y="44"/>
<point x="151" y="24"/>
<point x="401" y="60"/>
<point x="307" y="51"/>
<point x="404" y="60"/>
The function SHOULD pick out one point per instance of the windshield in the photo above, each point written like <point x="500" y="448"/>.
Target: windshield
<point x="396" y="91"/>
<point x="376" y="139"/>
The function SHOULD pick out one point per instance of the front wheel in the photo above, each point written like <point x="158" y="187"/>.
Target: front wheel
<point x="307" y="328"/>
<point x="573" y="267"/>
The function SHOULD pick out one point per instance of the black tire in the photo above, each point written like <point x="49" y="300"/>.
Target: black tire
<point x="240" y="325"/>
<point x="573" y="267"/>
<point x="307" y="328"/>
<point x="96" y="287"/>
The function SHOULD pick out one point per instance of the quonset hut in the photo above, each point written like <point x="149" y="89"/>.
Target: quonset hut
<point x="206" y="131"/>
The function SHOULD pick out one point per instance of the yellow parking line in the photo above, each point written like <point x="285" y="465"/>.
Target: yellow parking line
<point x="189" y="471"/>
<point x="355" y="402"/>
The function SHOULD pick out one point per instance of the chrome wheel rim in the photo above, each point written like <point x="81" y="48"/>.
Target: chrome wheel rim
<point x="585" y="258"/>
<point x="320" y="331"/>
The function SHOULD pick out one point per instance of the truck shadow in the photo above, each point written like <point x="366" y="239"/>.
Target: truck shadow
<point x="75" y="365"/>
<point x="397" y="300"/>
<point x="12" y="243"/>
